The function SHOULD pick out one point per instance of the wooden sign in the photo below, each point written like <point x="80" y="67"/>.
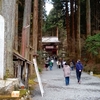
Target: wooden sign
<point x="15" y="94"/>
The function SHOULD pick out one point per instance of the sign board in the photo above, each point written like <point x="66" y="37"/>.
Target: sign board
<point x="49" y="47"/>
<point x="38" y="76"/>
<point x="15" y="94"/>
<point x="1" y="47"/>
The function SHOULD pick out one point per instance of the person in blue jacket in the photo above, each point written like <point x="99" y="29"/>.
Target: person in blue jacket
<point x="79" y="68"/>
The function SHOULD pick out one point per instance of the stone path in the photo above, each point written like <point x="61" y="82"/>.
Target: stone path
<point x="55" y="88"/>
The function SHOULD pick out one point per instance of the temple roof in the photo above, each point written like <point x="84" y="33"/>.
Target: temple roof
<point x="50" y="40"/>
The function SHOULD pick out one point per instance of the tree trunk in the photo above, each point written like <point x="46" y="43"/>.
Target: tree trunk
<point x="88" y="19"/>
<point x="75" y="27"/>
<point x="26" y="34"/>
<point x="78" y="31"/>
<point x="16" y="29"/>
<point x="35" y="26"/>
<point x="9" y="15"/>
<point x="72" y="28"/>
<point x="68" y="30"/>
<point x="40" y="25"/>
<point x="26" y="29"/>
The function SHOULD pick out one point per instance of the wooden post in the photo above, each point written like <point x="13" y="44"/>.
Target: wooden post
<point x="23" y="46"/>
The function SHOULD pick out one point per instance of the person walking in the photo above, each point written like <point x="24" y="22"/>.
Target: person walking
<point x="50" y="65"/>
<point x="52" y="60"/>
<point x="71" y="65"/>
<point x="66" y="69"/>
<point x="63" y="63"/>
<point x="46" y="64"/>
<point x="79" y="68"/>
<point x="59" y="64"/>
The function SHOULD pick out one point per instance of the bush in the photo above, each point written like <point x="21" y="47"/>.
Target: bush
<point x="39" y="69"/>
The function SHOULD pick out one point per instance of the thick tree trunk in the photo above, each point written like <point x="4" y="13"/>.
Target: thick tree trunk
<point x="75" y="27"/>
<point x="35" y="26"/>
<point x="72" y="28"/>
<point x="88" y="19"/>
<point x="26" y="35"/>
<point x="16" y="29"/>
<point x="9" y="15"/>
<point x="78" y="31"/>
<point x="68" y="30"/>
<point x="26" y="29"/>
<point x="40" y="25"/>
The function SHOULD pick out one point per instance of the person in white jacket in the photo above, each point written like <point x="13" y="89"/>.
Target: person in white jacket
<point x="66" y="69"/>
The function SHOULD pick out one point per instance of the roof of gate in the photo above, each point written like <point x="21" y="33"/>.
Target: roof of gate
<point x="50" y="40"/>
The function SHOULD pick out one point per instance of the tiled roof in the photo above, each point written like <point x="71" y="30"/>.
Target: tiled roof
<point x="50" y="39"/>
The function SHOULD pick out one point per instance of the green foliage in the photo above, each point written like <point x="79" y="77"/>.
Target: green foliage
<point x="40" y="56"/>
<point x="40" y="53"/>
<point x="53" y="20"/>
<point x="39" y="69"/>
<point x="23" y="92"/>
<point x="7" y="74"/>
<point x="93" y="44"/>
<point x="56" y="16"/>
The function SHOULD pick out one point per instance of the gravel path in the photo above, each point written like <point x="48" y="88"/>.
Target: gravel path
<point x="55" y="88"/>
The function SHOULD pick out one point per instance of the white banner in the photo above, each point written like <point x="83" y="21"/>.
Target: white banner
<point x="2" y="25"/>
<point x="38" y="76"/>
